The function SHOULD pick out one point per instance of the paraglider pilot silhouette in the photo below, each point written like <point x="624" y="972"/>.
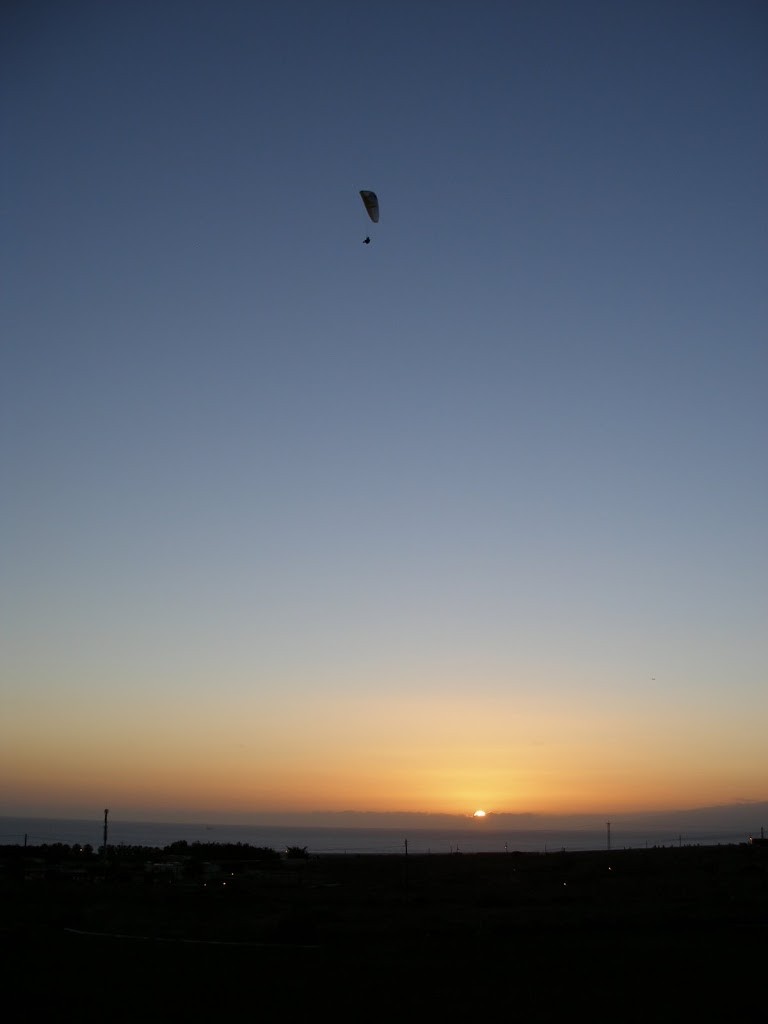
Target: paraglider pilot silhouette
<point x="371" y="204"/>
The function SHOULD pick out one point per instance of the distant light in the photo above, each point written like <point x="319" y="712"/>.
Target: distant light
<point x="479" y="814"/>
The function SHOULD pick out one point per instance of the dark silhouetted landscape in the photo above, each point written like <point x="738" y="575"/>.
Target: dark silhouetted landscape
<point x="197" y="930"/>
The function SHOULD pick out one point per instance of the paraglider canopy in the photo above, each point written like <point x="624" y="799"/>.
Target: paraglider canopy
<point x="371" y="204"/>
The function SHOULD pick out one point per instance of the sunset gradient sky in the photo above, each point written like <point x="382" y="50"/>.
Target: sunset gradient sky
<point x="473" y="516"/>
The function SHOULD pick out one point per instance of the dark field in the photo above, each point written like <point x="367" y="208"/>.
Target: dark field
<point x="651" y="935"/>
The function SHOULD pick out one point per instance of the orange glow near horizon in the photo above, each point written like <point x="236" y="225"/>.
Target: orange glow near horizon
<point x="237" y="783"/>
<point x="374" y="753"/>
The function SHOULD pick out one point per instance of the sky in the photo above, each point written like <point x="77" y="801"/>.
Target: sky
<point x="473" y="516"/>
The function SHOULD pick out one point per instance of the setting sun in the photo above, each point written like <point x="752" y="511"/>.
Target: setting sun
<point x="479" y="814"/>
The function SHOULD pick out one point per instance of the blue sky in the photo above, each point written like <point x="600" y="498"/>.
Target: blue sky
<point x="266" y="489"/>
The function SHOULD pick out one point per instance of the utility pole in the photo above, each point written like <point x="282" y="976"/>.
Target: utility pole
<point x="106" y="813"/>
<point x="608" y="827"/>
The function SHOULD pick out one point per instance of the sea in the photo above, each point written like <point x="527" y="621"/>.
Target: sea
<point x="354" y="841"/>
